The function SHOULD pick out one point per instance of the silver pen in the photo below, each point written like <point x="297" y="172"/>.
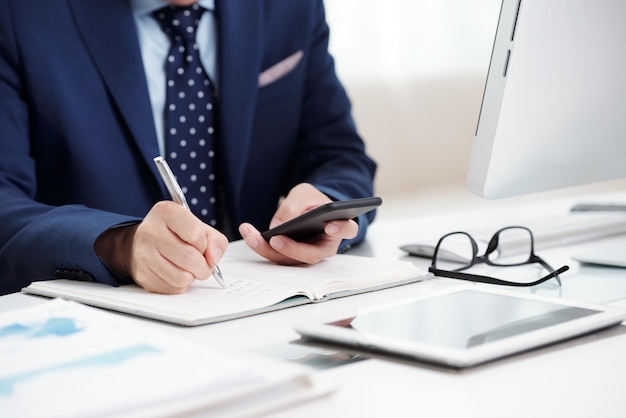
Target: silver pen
<point x="179" y="197"/>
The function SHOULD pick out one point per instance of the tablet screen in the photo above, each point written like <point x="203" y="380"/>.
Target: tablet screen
<point x="463" y="319"/>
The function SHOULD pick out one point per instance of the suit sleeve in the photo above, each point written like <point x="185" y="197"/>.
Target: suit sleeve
<point x="331" y="155"/>
<point x="37" y="241"/>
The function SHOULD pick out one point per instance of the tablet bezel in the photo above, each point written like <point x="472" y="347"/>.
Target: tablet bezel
<point x="321" y="329"/>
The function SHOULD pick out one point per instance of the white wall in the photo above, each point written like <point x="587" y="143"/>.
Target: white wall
<point x="415" y="71"/>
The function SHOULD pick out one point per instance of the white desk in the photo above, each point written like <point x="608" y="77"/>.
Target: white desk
<point x="579" y="378"/>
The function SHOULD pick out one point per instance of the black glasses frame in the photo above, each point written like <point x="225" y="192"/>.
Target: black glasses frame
<point x="491" y="248"/>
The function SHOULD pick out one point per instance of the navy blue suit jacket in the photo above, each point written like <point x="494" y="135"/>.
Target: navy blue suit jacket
<point x="77" y="136"/>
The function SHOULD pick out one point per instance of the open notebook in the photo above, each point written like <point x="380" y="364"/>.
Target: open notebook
<point x="253" y="285"/>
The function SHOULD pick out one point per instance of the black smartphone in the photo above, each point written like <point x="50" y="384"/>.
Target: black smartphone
<point x="312" y="222"/>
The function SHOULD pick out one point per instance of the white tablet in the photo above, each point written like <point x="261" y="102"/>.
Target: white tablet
<point x="463" y="326"/>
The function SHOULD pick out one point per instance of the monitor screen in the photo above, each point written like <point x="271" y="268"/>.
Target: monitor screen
<point x="554" y="107"/>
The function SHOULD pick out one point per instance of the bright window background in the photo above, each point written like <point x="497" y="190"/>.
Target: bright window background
<point x="407" y="38"/>
<point x="415" y="71"/>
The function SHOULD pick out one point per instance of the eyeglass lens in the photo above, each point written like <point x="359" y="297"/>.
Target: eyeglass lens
<point x="456" y="251"/>
<point x="510" y="246"/>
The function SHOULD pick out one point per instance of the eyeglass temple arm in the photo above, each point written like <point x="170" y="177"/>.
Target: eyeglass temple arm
<point x="492" y="280"/>
<point x="545" y="265"/>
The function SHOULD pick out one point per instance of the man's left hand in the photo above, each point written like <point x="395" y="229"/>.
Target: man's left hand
<point x="284" y="250"/>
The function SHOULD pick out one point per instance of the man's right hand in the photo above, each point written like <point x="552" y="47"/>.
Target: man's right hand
<point x="164" y="253"/>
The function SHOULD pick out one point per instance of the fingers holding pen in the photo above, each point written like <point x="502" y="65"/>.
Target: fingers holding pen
<point x="206" y="240"/>
<point x="172" y="248"/>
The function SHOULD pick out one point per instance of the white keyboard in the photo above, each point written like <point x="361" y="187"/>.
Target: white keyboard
<point x="570" y="228"/>
<point x="548" y="232"/>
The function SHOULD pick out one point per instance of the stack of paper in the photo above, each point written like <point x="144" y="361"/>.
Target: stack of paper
<point x="63" y="359"/>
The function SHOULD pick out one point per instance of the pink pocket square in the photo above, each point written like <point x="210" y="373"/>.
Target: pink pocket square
<point x="279" y="69"/>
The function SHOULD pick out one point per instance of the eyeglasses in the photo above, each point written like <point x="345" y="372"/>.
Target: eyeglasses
<point x="509" y="247"/>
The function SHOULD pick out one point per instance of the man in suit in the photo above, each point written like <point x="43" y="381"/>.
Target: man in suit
<point x="82" y="117"/>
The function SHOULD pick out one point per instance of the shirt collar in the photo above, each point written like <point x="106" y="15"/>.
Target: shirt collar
<point x="148" y="6"/>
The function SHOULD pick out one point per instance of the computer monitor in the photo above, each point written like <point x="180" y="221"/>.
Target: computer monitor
<point x="554" y="106"/>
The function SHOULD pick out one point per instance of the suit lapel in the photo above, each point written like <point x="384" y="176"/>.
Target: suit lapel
<point x="109" y="33"/>
<point x="239" y="25"/>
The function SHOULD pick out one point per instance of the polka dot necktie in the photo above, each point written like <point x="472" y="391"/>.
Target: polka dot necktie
<point x="189" y="111"/>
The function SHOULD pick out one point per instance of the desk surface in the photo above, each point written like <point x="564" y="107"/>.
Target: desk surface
<point x="582" y="377"/>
